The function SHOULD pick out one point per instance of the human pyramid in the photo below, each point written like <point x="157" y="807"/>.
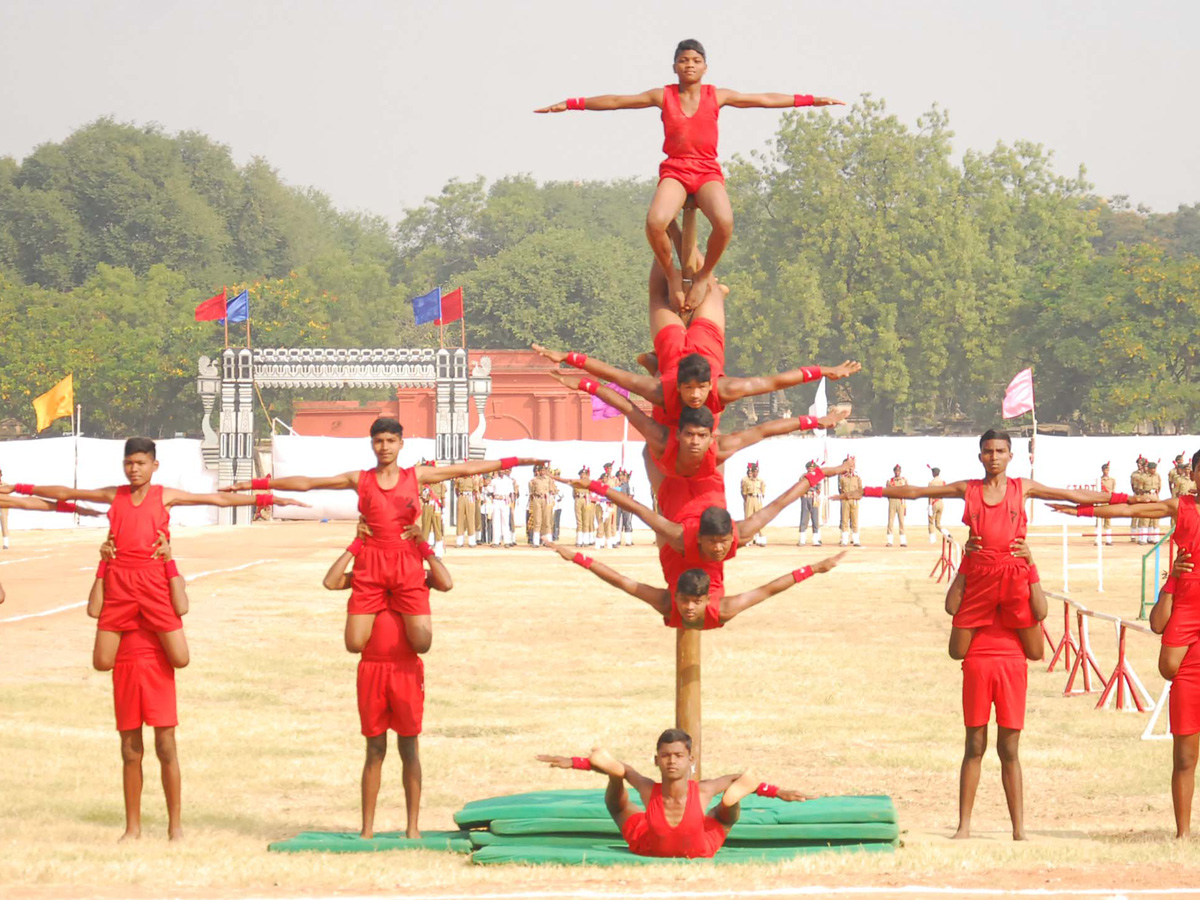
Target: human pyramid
<point x="996" y="601"/>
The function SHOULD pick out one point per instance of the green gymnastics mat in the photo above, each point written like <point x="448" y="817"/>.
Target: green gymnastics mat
<point x="350" y="842"/>
<point x="616" y="854"/>
<point x="739" y="835"/>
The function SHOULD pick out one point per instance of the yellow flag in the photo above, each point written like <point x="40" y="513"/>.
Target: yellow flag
<point x="57" y="402"/>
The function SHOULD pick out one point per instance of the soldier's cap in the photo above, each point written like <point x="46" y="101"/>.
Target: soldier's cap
<point x="1105" y="466"/>
<point x="811" y="464"/>
<point x="1179" y="458"/>
<point x="896" y="467"/>
<point x="751" y="465"/>
<point x="608" y="465"/>
<point x="584" y="469"/>
<point x="1151" y="464"/>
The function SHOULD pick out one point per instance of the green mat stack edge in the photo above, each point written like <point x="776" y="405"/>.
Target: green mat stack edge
<point x="573" y="827"/>
<point x="350" y="842"/>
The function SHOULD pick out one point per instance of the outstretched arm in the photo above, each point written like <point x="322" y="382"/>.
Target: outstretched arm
<point x="54" y="492"/>
<point x="729" y="444"/>
<point x="760" y="520"/>
<point x="655" y="434"/>
<point x="347" y="481"/>
<point x="730" y="389"/>
<point x="8" y="501"/>
<point x="672" y="532"/>
<point x="739" y="603"/>
<point x="658" y="598"/>
<point x="604" y="102"/>
<point x="643" y="385"/>
<point x="1161" y="509"/>
<point x="916" y="492"/>
<point x="173" y="497"/>
<point x="1042" y="492"/>
<point x="434" y="474"/>
<point x="727" y="97"/>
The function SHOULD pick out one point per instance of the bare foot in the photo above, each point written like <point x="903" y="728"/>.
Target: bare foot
<point x="1019" y="836"/>
<point x="175" y="835"/>
<point x="603" y="761"/>
<point x="649" y="362"/>
<point x="413" y="833"/>
<point x="745" y="785"/>
<point x="964" y="832"/>
<point x="130" y="835"/>
<point x="1183" y="835"/>
<point x="366" y="834"/>
<point x="697" y="292"/>
<point x="675" y="289"/>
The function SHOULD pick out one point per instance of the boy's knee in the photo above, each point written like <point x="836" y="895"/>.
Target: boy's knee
<point x="181" y="661"/>
<point x="722" y="221"/>
<point x="103" y="665"/>
<point x="1007" y="751"/>
<point x="957" y="652"/>
<point x="1185" y="757"/>
<point x="420" y="639"/>
<point x="1167" y="668"/>
<point x="131" y="751"/>
<point x="164" y="748"/>
<point x="410" y="749"/>
<point x="377" y="748"/>
<point x="976" y="744"/>
<point x="658" y="219"/>
<point x="1035" y="654"/>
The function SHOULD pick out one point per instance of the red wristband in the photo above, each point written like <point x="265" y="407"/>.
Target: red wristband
<point x="766" y="790"/>
<point x="102" y="569"/>
<point x="1118" y="498"/>
<point x="579" y="103"/>
<point x="598" y="487"/>
<point x="801" y="574"/>
<point x="64" y="506"/>
<point x="581" y="762"/>
<point x="26" y="489"/>
<point x="586" y="384"/>
<point x="802" y="99"/>
<point x="1169" y="585"/>
<point x="581" y="560"/>
<point x="172" y="569"/>
<point x="815" y="477"/>
<point x="261" y="500"/>
<point x="873" y="492"/>
<point x="1088" y="509"/>
<point x="355" y="546"/>
<point x="576" y="359"/>
<point x="424" y="549"/>
<point x="509" y="462"/>
<point x="811" y="373"/>
<point x="1034" y="577"/>
<point x="260" y="484"/>
<point x="808" y="423"/>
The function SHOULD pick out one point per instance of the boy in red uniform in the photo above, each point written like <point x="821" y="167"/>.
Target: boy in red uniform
<point x="691" y="602"/>
<point x="136" y="583"/>
<point x="9" y="502"/>
<point x="676" y="821"/>
<point x="689" y="115"/>
<point x="144" y="692"/>
<point x="391" y="687"/>
<point x="388" y="572"/>
<point x="995" y="673"/>
<point x="1179" y="618"/>
<point x="995" y="582"/>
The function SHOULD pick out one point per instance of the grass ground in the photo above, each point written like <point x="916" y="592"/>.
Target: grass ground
<point x="841" y="685"/>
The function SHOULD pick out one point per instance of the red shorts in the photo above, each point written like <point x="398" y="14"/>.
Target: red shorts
<point x="144" y="691"/>
<point x="133" y="590"/>
<point x="988" y="586"/>
<point x="1183" y="628"/>
<point x="389" y="577"/>
<point x="391" y="695"/>
<point x="674" y="342"/>
<point x="643" y="842"/>
<point x="690" y="171"/>
<point x="994" y="680"/>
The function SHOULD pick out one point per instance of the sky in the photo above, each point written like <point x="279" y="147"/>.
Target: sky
<point x="378" y="103"/>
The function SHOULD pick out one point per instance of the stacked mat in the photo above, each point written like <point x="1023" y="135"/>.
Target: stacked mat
<point x="573" y="827"/>
<point x="350" y="842"/>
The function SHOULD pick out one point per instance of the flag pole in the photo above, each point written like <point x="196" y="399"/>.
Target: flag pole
<point x="1032" y="442"/>
<point x="78" y="423"/>
<point x="225" y="318"/>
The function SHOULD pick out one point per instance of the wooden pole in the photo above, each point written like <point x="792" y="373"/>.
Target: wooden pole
<point x="688" y="243"/>
<point x="687" y="688"/>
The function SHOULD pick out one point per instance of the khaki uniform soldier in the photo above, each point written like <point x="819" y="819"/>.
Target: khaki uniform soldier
<point x="849" y="483"/>
<point x="896" y="508"/>
<point x="754" y="489"/>
<point x="1136" y="488"/>
<point x="479" y="485"/>
<point x="1107" y="483"/>
<point x="1183" y="478"/>
<point x="1153" y="482"/>
<point x="541" y="520"/>
<point x="935" y="507"/>
<point x="606" y="513"/>
<point x="464" y="526"/>
<point x="810" y="509"/>
<point x="433" y="498"/>
<point x="584" y="517"/>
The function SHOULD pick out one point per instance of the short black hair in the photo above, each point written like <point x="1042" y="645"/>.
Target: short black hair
<point x="694" y="583"/>
<point x="675" y="736"/>
<point x="1196" y="459"/>
<point x="141" y="445"/>
<point x="995" y="434"/>
<point x="689" y="44"/>
<point x="936" y="471"/>
<point x="387" y="425"/>
<point x="700" y="416"/>
<point x="693" y="369"/>
<point x="715" y="520"/>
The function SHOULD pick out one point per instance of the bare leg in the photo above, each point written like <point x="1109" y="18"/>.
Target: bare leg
<point x="410" y="759"/>
<point x="104" y="651"/>
<point x="662" y="314"/>
<point x="954" y="593"/>
<point x="714" y="203"/>
<point x="372" y="775"/>
<point x="1007" y="744"/>
<point x="1183" y="781"/>
<point x="968" y="778"/>
<point x="419" y="631"/>
<point x="175" y="644"/>
<point x="960" y="642"/>
<point x="728" y="810"/>
<point x="668" y="200"/>
<point x="1169" y="659"/>
<point x="1033" y="642"/>
<point x="172" y="780"/>
<point x="358" y="631"/>
<point x="131" y="782"/>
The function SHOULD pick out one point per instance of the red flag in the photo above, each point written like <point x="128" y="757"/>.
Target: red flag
<point x="212" y="308"/>
<point x="452" y="307"/>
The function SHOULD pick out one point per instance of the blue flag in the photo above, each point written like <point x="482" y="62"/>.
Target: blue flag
<point x="428" y="307"/>
<point x="238" y="308"/>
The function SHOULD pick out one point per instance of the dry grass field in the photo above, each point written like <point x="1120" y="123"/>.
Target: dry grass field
<point x="841" y="685"/>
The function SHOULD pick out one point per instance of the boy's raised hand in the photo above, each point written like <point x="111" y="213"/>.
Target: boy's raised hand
<point x="824" y="565"/>
<point x="562" y="107"/>
<point x="845" y="370"/>
<point x="832" y="419"/>
<point x="553" y="355"/>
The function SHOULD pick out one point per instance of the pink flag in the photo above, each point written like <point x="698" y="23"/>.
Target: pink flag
<point x="601" y="410"/>
<point x="1019" y="396"/>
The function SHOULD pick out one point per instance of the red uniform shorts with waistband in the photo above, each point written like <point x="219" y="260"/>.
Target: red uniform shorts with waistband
<point x="691" y="171"/>
<point x="391" y="696"/>
<point x="989" y="586"/>
<point x="637" y="834"/>
<point x="389" y="577"/>
<point x="133" y="590"/>
<point x="144" y="692"/>
<point x="998" y="681"/>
